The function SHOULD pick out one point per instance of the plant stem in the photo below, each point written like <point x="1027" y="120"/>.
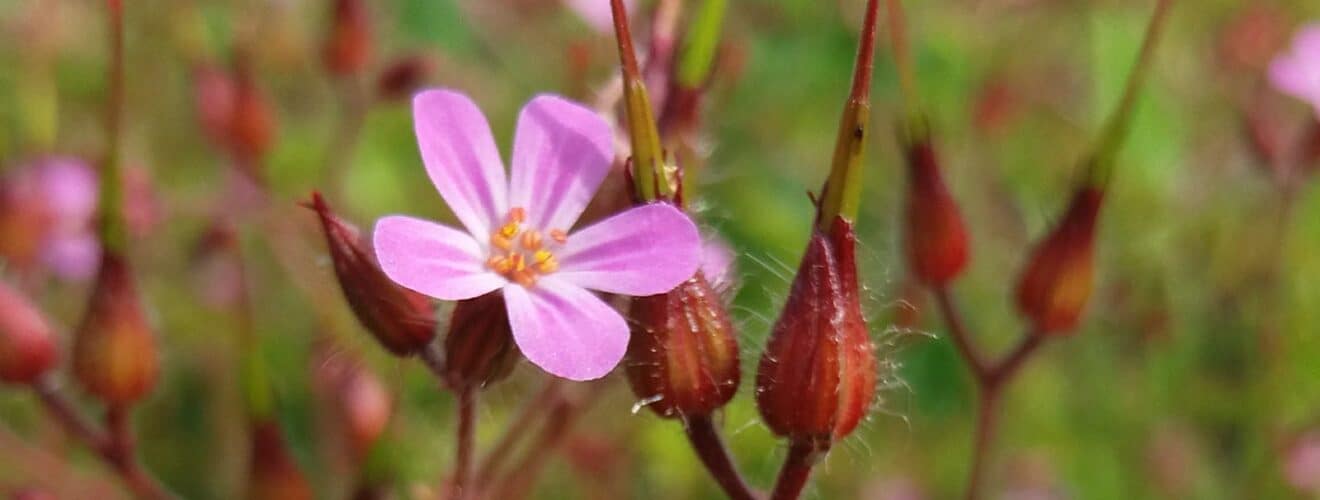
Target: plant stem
<point x="115" y="447"/>
<point x="467" y="400"/>
<point x="710" y="449"/>
<point x="987" y="416"/>
<point x="513" y="431"/>
<point x="958" y="333"/>
<point x="797" y="469"/>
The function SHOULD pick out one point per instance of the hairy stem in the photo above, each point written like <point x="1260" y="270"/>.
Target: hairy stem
<point x="466" y="435"/>
<point x="514" y="430"/>
<point x="710" y="449"/>
<point x="797" y="469"/>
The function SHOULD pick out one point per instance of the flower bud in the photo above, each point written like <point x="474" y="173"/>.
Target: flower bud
<point x="479" y="348"/>
<point x="252" y="124"/>
<point x="214" y="93"/>
<point x="114" y="353"/>
<point x="1058" y="278"/>
<point x="274" y="474"/>
<point x="402" y="76"/>
<point x="936" y="238"/>
<point x="817" y="377"/>
<point x="349" y="44"/>
<point x="358" y="401"/>
<point x="400" y="319"/>
<point x="683" y="356"/>
<point x="27" y="345"/>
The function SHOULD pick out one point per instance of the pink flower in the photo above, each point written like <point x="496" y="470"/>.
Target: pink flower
<point x="58" y="196"/>
<point x="1297" y="73"/>
<point x="517" y="238"/>
<point x="597" y="12"/>
<point x="1301" y="463"/>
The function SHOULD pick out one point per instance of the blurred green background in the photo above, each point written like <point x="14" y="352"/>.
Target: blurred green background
<point x="1197" y="366"/>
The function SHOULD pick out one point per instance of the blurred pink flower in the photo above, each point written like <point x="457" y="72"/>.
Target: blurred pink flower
<point x="717" y="262"/>
<point x="1301" y="464"/>
<point x="597" y="12"/>
<point x="516" y="239"/>
<point x="61" y="194"/>
<point x="1297" y="72"/>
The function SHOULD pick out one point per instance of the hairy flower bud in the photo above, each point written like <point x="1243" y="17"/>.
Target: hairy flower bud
<point x="402" y="76"/>
<point x="1057" y="281"/>
<point x="399" y="318"/>
<point x="936" y="238"/>
<point x="479" y="348"/>
<point x="816" y="380"/>
<point x="27" y="345"/>
<point x="348" y="46"/>
<point x="273" y="473"/>
<point x="114" y="352"/>
<point x="683" y="356"/>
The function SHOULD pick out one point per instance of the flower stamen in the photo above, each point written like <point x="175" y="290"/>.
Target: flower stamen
<point x="521" y="254"/>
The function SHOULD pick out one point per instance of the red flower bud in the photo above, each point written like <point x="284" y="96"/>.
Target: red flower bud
<point x="936" y="238"/>
<point x="252" y="124"/>
<point x="274" y="474"/>
<point x="1057" y="281"/>
<point x="479" y="348"/>
<point x="349" y="45"/>
<point x="399" y="318"/>
<point x="214" y="93"/>
<point x="817" y="377"/>
<point x="27" y="345"/>
<point x="404" y="75"/>
<point x="683" y="356"/>
<point x="114" y="352"/>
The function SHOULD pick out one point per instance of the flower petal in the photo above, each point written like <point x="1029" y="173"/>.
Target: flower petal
<point x="429" y="258"/>
<point x="566" y="330"/>
<point x="644" y="251"/>
<point x="461" y="158"/>
<point x="597" y="13"/>
<point x="561" y="153"/>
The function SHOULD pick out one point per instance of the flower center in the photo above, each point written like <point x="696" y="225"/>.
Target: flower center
<point x="522" y="254"/>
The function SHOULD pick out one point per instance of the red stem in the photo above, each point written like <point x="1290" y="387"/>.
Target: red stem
<point x="987" y="416"/>
<point x="115" y="447"/>
<point x="797" y="469"/>
<point x="958" y="333"/>
<point x="467" y="400"/>
<point x="514" y="430"/>
<point x="710" y="449"/>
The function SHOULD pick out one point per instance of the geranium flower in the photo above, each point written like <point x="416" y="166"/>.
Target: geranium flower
<point x="1297" y="72"/>
<point x="54" y="198"/>
<point x="517" y="239"/>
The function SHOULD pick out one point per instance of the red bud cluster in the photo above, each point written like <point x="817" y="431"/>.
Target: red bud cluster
<point x="1057" y="281"/>
<point x="683" y="356"/>
<point x="936" y="237"/>
<point x="27" y="344"/>
<point x="399" y="318"/>
<point x="114" y="351"/>
<point x="274" y="474"/>
<point x="348" y="47"/>
<point x="479" y="348"/>
<point x="817" y="378"/>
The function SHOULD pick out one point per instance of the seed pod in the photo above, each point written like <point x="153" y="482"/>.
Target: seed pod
<point x="1057" y="281"/>
<point x="402" y="76"/>
<point x="399" y="318"/>
<point x="27" y="345"/>
<point x="479" y="348"/>
<point x="936" y="237"/>
<point x="273" y="473"/>
<point x="114" y="352"/>
<point x="816" y="380"/>
<point x="348" y="46"/>
<point x="683" y="355"/>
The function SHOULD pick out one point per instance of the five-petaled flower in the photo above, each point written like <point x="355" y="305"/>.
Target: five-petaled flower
<point x="518" y="237"/>
<point x="1297" y="73"/>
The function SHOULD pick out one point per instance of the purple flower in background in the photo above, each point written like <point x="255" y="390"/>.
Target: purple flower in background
<point x="517" y="237"/>
<point x="58" y="195"/>
<point x="1297" y="72"/>
<point x="1301" y="463"/>
<point x="597" y="12"/>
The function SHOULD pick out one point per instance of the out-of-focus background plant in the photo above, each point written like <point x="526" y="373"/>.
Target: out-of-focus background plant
<point x="1194" y="372"/>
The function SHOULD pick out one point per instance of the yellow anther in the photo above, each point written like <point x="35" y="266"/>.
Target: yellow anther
<point x="509" y="230"/>
<point x="531" y="239"/>
<point x="518" y="262"/>
<point x="559" y="236"/>
<point x="547" y="266"/>
<point x="542" y="256"/>
<point x="501" y="242"/>
<point x="524" y="278"/>
<point x="500" y="265"/>
<point x="517" y="215"/>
